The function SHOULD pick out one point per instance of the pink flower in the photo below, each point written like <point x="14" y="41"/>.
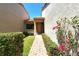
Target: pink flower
<point x="55" y="27"/>
<point x="61" y="47"/>
<point x="67" y="40"/>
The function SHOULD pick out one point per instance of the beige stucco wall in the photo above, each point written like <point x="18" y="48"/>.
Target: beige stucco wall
<point x="11" y="17"/>
<point x="56" y="10"/>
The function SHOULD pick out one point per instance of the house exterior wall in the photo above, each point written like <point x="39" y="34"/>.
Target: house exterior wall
<point x="55" y="10"/>
<point x="12" y="17"/>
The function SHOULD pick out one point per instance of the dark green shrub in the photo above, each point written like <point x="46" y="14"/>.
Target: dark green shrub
<point x="11" y="44"/>
<point x="53" y="50"/>
<point x="51" y="47"/>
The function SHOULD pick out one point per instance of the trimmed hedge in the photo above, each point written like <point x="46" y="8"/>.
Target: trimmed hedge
<point x="51" y="47"/>
<point x="11" y="44"/>
<point x="28" y="41"/>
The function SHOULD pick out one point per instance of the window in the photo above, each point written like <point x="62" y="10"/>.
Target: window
<point x="30" y="26"/>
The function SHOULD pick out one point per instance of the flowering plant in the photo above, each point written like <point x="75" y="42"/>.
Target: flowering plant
<point x="66" y="38"/>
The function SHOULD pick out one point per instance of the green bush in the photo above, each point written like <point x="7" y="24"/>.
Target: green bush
<point x="28" y="41"/>
<point x="11" y="44"/>
<point x="53" y="50"/>
<point x="51" y="47"/>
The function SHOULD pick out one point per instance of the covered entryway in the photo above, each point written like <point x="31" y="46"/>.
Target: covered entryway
<point x="29" y="27"/>
<point x="35" y="26"/>
<point x="39" y="25"/>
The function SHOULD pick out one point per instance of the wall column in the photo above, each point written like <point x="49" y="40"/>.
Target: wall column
<point x="35" y="32"/>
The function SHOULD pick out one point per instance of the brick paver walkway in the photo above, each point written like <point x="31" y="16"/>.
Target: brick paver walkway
<point x="38" y="48"/>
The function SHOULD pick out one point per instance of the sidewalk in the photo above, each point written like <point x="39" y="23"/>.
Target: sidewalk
<point x="38" y="48"/>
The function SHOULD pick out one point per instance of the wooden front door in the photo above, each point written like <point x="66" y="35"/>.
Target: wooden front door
<point x="40" y="27"/>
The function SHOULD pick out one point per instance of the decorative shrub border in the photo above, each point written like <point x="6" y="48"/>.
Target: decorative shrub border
<point x="51" y="47"/>
<point x="11" y="44"/>
<point x="28" y="41"/>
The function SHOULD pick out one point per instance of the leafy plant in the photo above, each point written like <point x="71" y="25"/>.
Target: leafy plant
<point x="51" y="46"/>
<point x="65" y="35"/>
<point x="28" y="41"/>
<point x="11" y="44"/>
